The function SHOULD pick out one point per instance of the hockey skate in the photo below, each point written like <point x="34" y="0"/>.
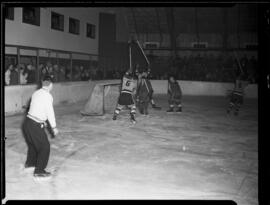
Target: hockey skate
<point x="114" y="117"/>
<point x="28" y="169"/>
<point x="154" y="106"/>
<point x="42" y="176"/>
<point x="132" y="118"/>
<point x="170" y="110"/>
<point x="179" y="110"/>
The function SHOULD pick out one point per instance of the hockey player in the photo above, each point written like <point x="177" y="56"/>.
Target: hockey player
<point x="146" y="77"/>
<point x="174" y="94"/>
<point x="144" y="92"/>
<point x="126" y="96"/>
<point x="236" y="97"/>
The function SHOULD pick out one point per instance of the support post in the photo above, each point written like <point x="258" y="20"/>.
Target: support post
<point x="159" y="27"/>
<point x="171" y="27"/>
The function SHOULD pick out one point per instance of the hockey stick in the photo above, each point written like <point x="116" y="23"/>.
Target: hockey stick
<point x="238" y="62"/>
<point x="130" y="64"/>
<point x="142" y="52"/>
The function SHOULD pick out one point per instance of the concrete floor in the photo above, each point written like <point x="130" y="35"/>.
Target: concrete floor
<point x="202" y="153"/>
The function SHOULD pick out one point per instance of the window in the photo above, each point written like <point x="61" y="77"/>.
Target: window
<point x="251" y="46"/>
<point x="199" y="45"/>
<point x="28" y="66"/>
<point x="9" y="13"/>
<point x="31" y="15"/>
<point x="74" y="26"/>
<point x="91" y="31"/>
<point x="57" y="21"/>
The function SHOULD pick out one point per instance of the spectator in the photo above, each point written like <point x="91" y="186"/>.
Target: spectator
<point x="7" y="74"/>
<point x="50" y="70"/>
<point x="23" y="74"/>
<point x="61" y="74"/>
<point x="14" y="76"/>
<point x="82" y="73"/>
<point x="87" y="74"/>
<point x="55" y="73"/>
<point x="41" y="71"/>
<point x="31" y="74"/>
<point x="68" y="73"/>
<point x="76" y="73"/>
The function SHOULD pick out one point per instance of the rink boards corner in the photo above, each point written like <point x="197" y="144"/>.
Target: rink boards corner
<point x="102" y="100"/>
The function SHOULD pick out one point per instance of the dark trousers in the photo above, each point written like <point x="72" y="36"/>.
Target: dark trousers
<point x="235" y="102"/>
<point x="143" y="107"/>
<point x="38" y="145"/>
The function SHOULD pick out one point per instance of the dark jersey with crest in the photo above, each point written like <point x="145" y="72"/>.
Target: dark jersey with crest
<point x="240" y="85"/>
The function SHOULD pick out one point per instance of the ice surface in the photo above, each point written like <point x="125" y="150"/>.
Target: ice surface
<point x="202" y="153"/>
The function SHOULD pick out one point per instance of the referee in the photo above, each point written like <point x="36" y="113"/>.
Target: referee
<point x="40" y="110"/>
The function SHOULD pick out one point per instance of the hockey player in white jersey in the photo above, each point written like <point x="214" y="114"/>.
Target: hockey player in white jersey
<point x="126" y="98"/>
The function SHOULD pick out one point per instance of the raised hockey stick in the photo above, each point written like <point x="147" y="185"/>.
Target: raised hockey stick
<point x="238" y="62"/>
<point x="142" y="52"/>
<point x="130" y="63"/>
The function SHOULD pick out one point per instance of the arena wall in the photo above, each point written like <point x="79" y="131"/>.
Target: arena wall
<point x="19" y="33"/>
<point x="70" y="92"/>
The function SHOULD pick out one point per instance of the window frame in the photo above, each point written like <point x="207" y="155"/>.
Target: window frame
<point x="62" y="17"/>
<point x="69" y="27"/>
<point x="36" y="9"/>
<point x="9" y="10"/>
<point x="93" y="26"/>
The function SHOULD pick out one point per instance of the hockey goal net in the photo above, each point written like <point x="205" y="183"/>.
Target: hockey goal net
<point x="102" y="100"/>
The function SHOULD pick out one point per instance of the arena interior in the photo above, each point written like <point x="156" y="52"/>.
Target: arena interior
<point x="203" y="153"/>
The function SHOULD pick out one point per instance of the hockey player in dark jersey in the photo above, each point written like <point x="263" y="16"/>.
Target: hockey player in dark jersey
<point x="144" y="92"/>
<point x="174" y="94"/>
<point x="146" y="77"/>
<point x="236" y="96"/>
<point x="126" y="96"/>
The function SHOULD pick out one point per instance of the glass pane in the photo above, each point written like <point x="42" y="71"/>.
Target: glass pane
<point x="9" y="13"/>
<point x="57" y="21"/>
<point x="74" y="26"/>
<point x="48" y="64"/>
<point x="80" y="70"/>
<point x="64" y="69"/>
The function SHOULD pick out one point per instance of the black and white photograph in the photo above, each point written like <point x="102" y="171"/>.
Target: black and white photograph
<point x="132" y="102"/>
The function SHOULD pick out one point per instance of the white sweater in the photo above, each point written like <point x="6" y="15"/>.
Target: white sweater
<point x="41" y="107"/>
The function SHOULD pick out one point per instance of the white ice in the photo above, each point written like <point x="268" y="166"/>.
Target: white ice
<point x="202" y="153"/>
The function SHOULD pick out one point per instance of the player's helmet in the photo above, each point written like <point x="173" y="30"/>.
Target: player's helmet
<point x="129" y="74"/>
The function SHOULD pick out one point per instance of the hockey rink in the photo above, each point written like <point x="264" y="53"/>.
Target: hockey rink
<point x="202" y="153"/>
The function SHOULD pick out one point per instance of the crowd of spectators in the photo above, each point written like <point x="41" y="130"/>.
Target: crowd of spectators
<point x="222" y="68"/>
<point x="65" y="73"/>
<point x="20" y="74"/>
